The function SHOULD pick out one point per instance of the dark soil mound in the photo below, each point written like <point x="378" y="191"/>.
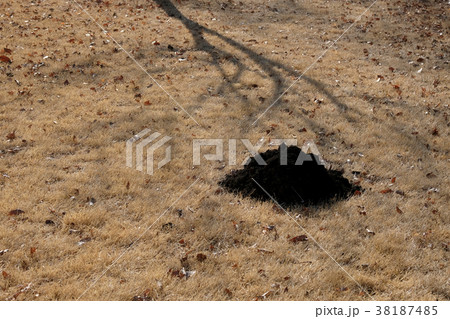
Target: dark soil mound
<point x="303" y="184"/>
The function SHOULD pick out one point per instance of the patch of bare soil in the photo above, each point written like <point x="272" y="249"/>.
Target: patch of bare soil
<point x="291" y="177"/>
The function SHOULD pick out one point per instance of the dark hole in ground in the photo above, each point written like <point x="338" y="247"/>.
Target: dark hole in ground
<point x="291" y="185"/>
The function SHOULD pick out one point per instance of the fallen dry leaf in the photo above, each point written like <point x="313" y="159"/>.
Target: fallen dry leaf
<point x="201" y="257"/>
<point x="11" y="135"/>
<point x="118" y="78"/>
<point x="299" y="238"/>
<point x="431" y="175"/>
<point x="228" y="292"/>
<point x="22" y="290"/>
<point x="4" y="58"/>
<point x="16" y="212"/>
<point x="146" y="296"/>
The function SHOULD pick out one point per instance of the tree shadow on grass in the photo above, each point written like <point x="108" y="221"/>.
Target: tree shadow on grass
<point x="272" y="69"/>
<point x="269" y="66"/>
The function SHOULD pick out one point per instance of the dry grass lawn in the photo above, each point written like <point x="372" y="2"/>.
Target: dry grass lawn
<point x="376" y="103"/>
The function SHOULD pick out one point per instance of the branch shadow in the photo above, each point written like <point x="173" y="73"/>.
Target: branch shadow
<point x="273" y="70"/>
<point x="270" y="67"/>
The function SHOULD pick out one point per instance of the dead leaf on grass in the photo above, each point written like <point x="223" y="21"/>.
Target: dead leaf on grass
<point x="146" y="296"/>
<point x="16" y="212"/>
<point x="118" y="78"/>
<point x="228" y="292"/>
<point x="22" y="290"/>
<point x="201" y="257"/>
<point x="431" y="175"/>
<point x="5" y="59"/>
<point x="299" y="239"/>
<point x="11" y="136"/>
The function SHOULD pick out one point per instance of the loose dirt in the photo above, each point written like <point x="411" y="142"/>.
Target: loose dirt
<point x="298" y="180"/>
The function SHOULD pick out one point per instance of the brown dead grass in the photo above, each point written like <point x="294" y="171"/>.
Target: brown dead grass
<point x="72" y="114"/>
